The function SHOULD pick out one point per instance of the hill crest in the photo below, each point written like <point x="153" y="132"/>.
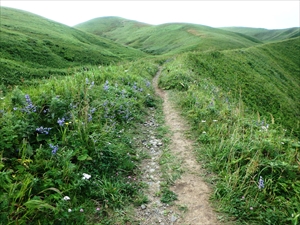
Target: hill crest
<point x="169" y="38"/>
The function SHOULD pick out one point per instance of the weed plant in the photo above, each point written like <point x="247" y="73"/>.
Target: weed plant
<point x="254" y="159"/>
<point x="67" y="153"/>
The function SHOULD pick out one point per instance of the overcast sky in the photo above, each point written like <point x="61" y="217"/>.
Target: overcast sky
<point x="264" y="14"/>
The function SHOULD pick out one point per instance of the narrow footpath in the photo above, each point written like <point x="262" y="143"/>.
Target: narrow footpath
<point x="193" y="193"/>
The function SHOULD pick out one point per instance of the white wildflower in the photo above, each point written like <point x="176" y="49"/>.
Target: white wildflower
<point x="66" y="198"/>
<point x="86" y="176"/>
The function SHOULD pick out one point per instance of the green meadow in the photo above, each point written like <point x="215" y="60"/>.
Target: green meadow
<point x="72" y="100"/>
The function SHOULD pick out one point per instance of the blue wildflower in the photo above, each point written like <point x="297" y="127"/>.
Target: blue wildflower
<point x="90" y="117"/>
<point x="106" y="86"/>
<point x="92" y="84"/>
<point x="92" y="110"/>
<point x="148" y="84"/>
<point x="105" y="103"/>
<point x="61" y="121"/>
<point x="54" y="148"/>
<point x="261" y="183"/>
<point x="30" y="107"/>
<point x="28" y="100"/>
<point x="43" y="130"/>
<point x="134" y="86"/>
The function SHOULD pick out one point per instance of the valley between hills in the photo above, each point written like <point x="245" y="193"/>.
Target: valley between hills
<point x="115" y="121"/>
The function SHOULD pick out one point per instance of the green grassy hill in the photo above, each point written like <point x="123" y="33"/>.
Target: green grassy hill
<point x="166" y="38"/>
<point x="103" y="25"/>
<point x="265" y="34"/>
<point x="266" y="78"/>
<point x="243" y="106"/>
<point x="32" y="46"/>
<point x="239" y="91"/>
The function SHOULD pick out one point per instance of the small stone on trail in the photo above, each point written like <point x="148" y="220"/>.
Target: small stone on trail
<point x="173" y="218"/>
<point x="143" y="207"/>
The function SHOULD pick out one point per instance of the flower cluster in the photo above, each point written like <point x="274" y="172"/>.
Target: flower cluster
<point x="54" y="148"/>
<point x="73" y="106"/>
<point x="89" y="83"/>
<point x="86" y="176"/>
<point x="90" y="115"/>
<point x="106" y="86"/>
<point x="148" y="84"/>
<point x="136" y="88"/>
<point x="107" y="111"/>
<point x="43" y="130"/>
<point x="261" y="183"/>
<point x="29" y="107"/>
<point x="125" y="112"/>
<point x="264" y="126"/>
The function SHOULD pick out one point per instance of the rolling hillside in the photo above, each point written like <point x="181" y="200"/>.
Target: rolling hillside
<point x="266" y="35"/>
<point x="32" y="46"/>
<point x="264" y="77"/>
<point x="244" y="108"/>
<point x="72" y="146"/>
<point x="166" y="38"/>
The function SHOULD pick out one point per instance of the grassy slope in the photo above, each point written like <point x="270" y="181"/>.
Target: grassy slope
<point x="265" y="34"/>
<point x="103" y="109"/>
<point x="166" y="38"/>
<point x="220" y="93"/>
<point x="32" y="45"/>
<point x="266" y="77"/>
<point x="100" y="26"/>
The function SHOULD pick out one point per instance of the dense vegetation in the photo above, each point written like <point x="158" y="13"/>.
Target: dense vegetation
<point x="266" y="78"/>
<point x="67" y="154"/>
<point x="254" y="158"/>
<point x="67" y="150"/>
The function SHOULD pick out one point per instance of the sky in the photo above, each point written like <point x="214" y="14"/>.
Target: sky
<point x="255" y="13"/>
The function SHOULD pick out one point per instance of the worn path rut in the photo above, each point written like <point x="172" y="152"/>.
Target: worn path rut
<point x="193" y="193"/>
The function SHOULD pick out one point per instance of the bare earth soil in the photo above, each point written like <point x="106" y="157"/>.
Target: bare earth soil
<point x="193" y="193"/>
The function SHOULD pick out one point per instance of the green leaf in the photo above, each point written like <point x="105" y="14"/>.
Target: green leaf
<point x="51" y="189"/>
<point x="38" y="204"/>
<point x="84" y="157"/>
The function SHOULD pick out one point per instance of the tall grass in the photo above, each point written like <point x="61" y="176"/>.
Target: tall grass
<point x="254" y="159"/>
<point x="67" y="154"/>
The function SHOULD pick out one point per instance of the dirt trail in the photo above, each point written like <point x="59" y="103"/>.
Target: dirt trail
<point x="192" y="191"/>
